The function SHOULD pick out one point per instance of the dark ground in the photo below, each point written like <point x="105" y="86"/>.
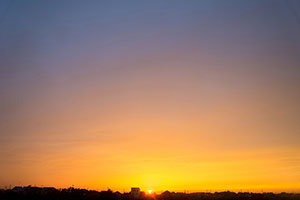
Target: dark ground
<point x="38" y="193"/>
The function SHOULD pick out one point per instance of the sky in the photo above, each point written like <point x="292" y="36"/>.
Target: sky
<point x="163" y="95"/>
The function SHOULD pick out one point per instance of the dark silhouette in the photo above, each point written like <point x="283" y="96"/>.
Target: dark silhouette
<point x="50" y="193"/>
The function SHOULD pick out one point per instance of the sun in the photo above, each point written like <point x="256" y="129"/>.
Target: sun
<point x="149" y="191"/>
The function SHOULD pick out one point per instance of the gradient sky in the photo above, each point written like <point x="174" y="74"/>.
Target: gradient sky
<point x="178" y="95"/>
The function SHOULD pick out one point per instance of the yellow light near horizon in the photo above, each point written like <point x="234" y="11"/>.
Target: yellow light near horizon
<point x="149" y="191"/>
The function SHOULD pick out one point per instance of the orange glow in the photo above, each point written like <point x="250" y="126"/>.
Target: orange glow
<point x="197" y="99"/>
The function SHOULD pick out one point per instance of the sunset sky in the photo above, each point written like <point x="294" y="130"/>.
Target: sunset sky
<point x="172" y="95"/>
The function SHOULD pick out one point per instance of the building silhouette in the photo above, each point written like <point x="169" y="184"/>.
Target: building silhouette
<point x="135" y="191"/>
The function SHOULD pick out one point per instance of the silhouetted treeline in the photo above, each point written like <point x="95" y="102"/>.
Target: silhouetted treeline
<point x="49" y="193"/>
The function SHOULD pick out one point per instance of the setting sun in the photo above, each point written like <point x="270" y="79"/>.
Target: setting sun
<point x="149" y="191"/>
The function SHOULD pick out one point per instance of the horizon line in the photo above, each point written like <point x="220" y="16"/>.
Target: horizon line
<point x="159" y="192"/>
